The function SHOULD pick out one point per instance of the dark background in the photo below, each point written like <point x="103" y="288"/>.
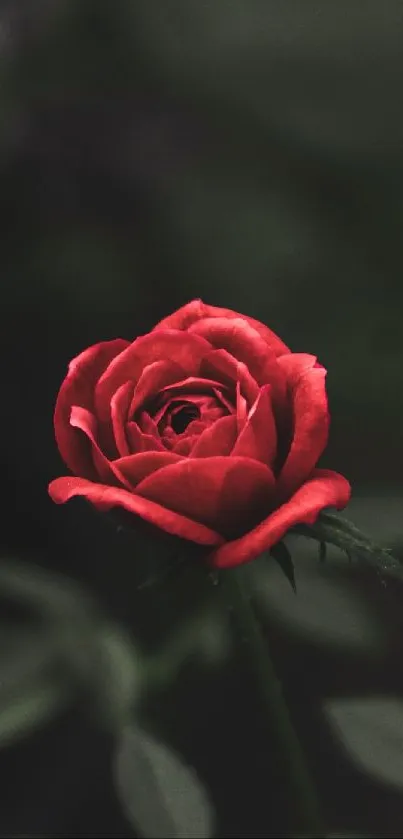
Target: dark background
<point x="249" y="153"/>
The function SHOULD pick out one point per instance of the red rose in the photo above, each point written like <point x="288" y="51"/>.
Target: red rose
<point x="208" y="427"/>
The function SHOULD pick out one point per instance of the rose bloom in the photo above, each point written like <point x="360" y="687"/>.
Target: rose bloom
<point x="208" y="428"/>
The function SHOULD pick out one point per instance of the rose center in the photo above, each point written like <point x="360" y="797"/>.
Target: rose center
<point x="181" y="418"/>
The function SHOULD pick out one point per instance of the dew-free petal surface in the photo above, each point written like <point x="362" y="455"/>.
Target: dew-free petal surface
<point x="225" y="493"/>
<point x="105" y="498"/>
<point x="324" y="489"/>
<point x="78" y="389"/>
<point x="218" y="439"/>
<point x="181" y="348"/>
<point x="310" y="421"/>
<point x="197" y="310"/>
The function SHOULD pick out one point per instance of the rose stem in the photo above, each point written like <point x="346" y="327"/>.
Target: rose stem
<point x="304" y="801"/>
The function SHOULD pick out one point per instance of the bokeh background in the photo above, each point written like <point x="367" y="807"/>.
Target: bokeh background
<point x="251" y="154"/>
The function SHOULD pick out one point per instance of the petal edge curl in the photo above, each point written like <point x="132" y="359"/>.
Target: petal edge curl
<point x="197" y="310"/>
<point x="78" y="389"/>
<point x="324" y="489"/>
<point x="104" y="498"/>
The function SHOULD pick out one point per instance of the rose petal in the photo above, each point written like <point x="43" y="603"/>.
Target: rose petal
<point x="324" y="489"/>
<point x="139" y="441"/>
<point x="246" y="345"/>
<point x="174" y="406"/>
<point x="177" y="407"/>
<point x="196" y="310"/>
<point x="180" y="348"/>
<point x="225" y="493"/>
<point x="184" y="445"/>
<point x="258" y="438"/>
<point x="196" y="426"/>
<point x="177" y="398"/>
<point x="147" y="425"/>
<point x="218" y="439"/>
<point x="229" y="371"/>
<point x="106" y="497"/>
<point x="296" y="364"/>
<point x="119" y="410"/>
<point x="311" y="421"/>
<point x="86" y="422"/>
<point x="224" y="401"/>
<point x="151" y="444"/>
<point x="135" y="438"/>
<point x="192" y="384"/>
<point x="136" y="467"/>
<point x="241" y="408"/>
<point x="78" y="389"/>
<point x="154" y="378"/>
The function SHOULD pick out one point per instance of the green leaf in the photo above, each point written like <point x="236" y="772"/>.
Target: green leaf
<point x="371" y="731"/>
<point x="322" y="552"/>
<point x="160" y="794"/>
<point x="51" y="596"/>
<point x="117" y="680"/>
<point x="281" y="554"/>
<point x="34" y="706"/>
<point x="329" y="612"/>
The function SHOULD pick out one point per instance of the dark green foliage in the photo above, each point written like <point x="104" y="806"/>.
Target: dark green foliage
<point x="282" y="556"/>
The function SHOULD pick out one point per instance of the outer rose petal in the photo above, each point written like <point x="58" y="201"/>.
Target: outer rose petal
<point x="324" y="489"/>
<point x="136" y="467"/>
<point x="227" y="493"/>
<point x="242" y="341"/>
<point x="296" y="365"/>
<point x="197" y="310"/>
<point x="105" y="497"/>
<point x="311" y="421"/>
<point x="78" y="389"/>
<point x="87" y="424"/>
<point x="258" y="438"/>
<point x="119" y="414"/>
<point x="181" y="348"/>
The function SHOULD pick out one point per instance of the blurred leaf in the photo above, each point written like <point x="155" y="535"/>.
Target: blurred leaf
<point x="371" y="729"/>
<point x="24" y="655"/>
<point x="35" y="705"/>
<point x="325" y="611"/>
<point x="161" y="796"/>
<point x="214" y="642"/>
<point x="204" y="637"/>
<point x="49" y="595"/>
<point x="75" y="645"/>
<point x="33" y="687"/>
<point x="71" y="617"/>
<point x="118" y="677"/>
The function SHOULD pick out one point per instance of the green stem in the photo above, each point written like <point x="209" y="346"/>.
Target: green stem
<point x="303" y="801"/>
<point x="337" y="530"/>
